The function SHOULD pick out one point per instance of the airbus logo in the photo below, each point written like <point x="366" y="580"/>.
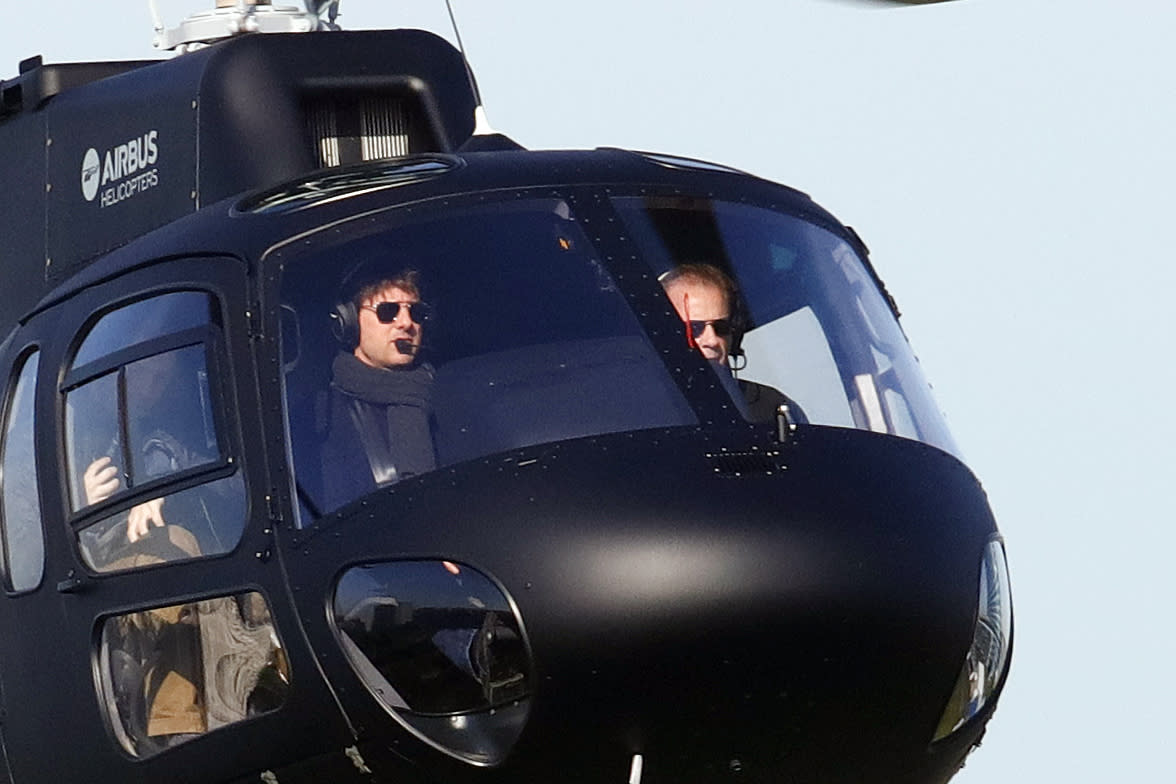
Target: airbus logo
<point x="90" y="166"/>
<point x="122" y="172"/>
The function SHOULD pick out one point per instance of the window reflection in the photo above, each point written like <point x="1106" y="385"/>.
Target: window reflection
<point x="139" y="413"/>
<point x="165" y="314"/>
<point x="203" y="520"/>
<point x="169" y="414"/>
<point x="438" y="643"/>
<point x="442" y="635"/>
<point x="24" y="546"/>
<point x="92" y="432"/>
<point x="168" y="421"/>
<point x="171" y="674"/>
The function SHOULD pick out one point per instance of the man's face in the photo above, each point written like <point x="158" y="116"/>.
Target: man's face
<point x="378" y="341"/>
<point x="700" y="301"/>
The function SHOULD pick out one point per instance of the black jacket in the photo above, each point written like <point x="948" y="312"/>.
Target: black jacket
<point x="378" y="429"/>
<point x="763" y="401"/>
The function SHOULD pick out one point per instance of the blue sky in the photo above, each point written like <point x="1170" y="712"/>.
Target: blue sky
<point x="1010" y="163"/>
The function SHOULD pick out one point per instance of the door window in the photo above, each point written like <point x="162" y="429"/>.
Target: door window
<point x="150" y="474"/>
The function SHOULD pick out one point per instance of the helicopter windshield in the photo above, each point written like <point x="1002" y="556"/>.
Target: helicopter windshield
<point x="807" y="324"/>
<point x="432" y="334"/>
<point x="523" y="338"/>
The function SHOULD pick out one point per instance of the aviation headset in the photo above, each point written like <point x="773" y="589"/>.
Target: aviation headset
<point x="345" y="315"/>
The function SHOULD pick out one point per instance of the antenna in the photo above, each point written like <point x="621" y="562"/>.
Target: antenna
<point x="231" y="18"/>
<point x="481" y="124"/>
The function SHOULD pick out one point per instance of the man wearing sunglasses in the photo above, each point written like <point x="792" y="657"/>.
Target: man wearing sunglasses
<point x="703" y="296"/>
<point x="391" y="319"/>
<point x="379" y="427"/>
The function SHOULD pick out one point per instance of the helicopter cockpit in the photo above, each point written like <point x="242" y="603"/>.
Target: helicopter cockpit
<point x="531" y="338"/>
<point x="538" y="336"/>
<point x="814" y="323"/>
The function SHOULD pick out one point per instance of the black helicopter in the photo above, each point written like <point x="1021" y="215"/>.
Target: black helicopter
<point x="616" y="567"/>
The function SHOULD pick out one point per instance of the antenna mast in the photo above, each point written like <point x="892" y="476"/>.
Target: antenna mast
<point x="481" y="124"/>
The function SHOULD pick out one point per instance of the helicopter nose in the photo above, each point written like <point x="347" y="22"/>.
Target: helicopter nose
<point x="726" y="648"/>
<point x="770" y="617"/>
<point x="790" y="615"/>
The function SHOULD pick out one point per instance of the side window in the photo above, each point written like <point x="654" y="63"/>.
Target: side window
<point x="173" y="673"/>
<point x="24" y="545"/>
<point x="150" y="474"/>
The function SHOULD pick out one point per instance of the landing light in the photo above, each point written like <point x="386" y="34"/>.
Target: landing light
<point x="988" y="657"/>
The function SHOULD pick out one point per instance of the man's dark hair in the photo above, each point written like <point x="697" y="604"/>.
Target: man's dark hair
<point x="360" y="284"/>
<point x="407" y="280"/>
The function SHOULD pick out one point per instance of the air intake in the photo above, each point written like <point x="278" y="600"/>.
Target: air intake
<point x="354" y="129"/>
<point x="736" y="464"/>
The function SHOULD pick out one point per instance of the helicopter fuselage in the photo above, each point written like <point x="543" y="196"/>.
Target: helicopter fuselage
<point x="613" y="573"/>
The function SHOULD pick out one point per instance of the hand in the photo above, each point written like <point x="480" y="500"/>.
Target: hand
<point x="100" y="480"/>
<point x="142" y="517"/>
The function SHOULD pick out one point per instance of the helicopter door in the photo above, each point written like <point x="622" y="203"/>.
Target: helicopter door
<point x="150" y="626"/>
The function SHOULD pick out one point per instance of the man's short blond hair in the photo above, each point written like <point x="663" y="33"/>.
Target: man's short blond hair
<point x="705" y="274"/>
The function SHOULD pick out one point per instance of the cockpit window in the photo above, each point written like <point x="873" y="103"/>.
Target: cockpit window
<point x="150" y="475"/>
<point x="787" y="313"/>
<point x="424" y="338"/>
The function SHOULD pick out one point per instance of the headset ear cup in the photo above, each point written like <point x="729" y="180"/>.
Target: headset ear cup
<point x="738" y="324"/>
<point x="345" y="324"/>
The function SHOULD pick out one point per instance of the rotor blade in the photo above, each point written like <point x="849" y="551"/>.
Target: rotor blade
<point x="894" y="2"/>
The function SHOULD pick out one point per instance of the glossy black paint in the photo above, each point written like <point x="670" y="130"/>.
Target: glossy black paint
<point x="706" y="597"/>
<point x="773" y="620"/>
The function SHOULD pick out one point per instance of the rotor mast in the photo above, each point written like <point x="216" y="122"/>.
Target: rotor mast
<point x="232" y="18"/>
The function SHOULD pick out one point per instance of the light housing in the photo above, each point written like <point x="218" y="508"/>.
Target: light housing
<point x="987" y="659"/>
<point x="442" y="648"/>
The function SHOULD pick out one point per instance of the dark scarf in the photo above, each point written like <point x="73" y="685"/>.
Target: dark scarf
<point x="408" y="387"/>
<point x="391" y="409"/>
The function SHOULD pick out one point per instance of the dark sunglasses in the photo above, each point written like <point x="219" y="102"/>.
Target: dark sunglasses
<point x="722" y="327"/>
<point x="386" y="312"/>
